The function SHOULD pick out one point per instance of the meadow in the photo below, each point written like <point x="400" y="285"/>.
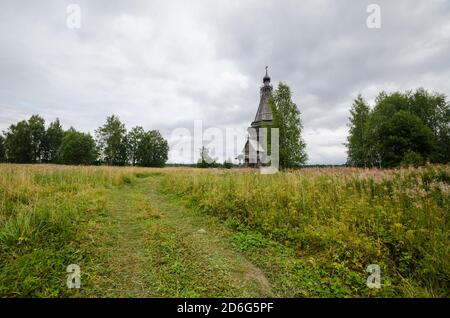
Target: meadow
<point x="341" y="220"/>
<point x="306" y="233"/>
<point x="43" y="209"/>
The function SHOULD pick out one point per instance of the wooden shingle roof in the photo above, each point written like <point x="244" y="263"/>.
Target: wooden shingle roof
<point x="264" y="112"/>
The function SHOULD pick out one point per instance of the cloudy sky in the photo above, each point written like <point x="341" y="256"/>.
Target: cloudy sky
<point x="165" y="64"/>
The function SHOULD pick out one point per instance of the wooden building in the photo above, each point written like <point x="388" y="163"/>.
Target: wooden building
<point x="263" y="118"/>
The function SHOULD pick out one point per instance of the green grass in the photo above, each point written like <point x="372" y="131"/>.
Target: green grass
<point x="147" y="246"/>
<point x="43" y="210"/>
<point x="340" y="221"/>
<point x="139" y="232"/>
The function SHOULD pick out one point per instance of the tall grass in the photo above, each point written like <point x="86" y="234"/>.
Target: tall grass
<point x="343" y="219"/>
<point x="42" y="210"/>
<point x="337" y="220"/>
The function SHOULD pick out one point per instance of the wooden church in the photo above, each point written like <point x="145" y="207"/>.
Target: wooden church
<point x="252" y="154"/>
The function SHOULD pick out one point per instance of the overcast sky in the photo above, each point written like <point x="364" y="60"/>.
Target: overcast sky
<point x="164" y="64"/>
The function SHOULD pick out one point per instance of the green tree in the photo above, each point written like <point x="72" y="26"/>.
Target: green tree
<point x="402" y="128"/>
<point x="18" y="143"/>
<point x="400" y="134"/>
<point x="24" y="141"/>
<point x="387" y="105"/>
<point x="77" y="148"/>
<point x="52" y="141"/>
<point x="153" y="150"/>
<point x="434" y="111"/>
<point x="36" y="126"/>
<point x="2" y="149"/>
<point x="392" y="134"/>
<point x="134" y="138"/>
<point x="442" y="149"/>
<point x="357" y="146"/>
<point x="286" y="117"/>
<point x="112" y="142"/>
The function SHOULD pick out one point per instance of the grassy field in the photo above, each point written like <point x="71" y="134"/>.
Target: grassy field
<point x="177" y="232"/>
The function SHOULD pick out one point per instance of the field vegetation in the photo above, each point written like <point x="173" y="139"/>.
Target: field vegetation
<point x="44" y="211"/>
<point x="302" y="233"/>
<point x="340" y="220"/>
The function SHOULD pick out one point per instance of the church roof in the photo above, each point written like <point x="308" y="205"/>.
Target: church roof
<point x="264" y="113"/>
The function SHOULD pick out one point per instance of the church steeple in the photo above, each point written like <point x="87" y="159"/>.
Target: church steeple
<point x="263" y="119"/>
<point x="264" y="112"/>
<point x="266" y="78"/>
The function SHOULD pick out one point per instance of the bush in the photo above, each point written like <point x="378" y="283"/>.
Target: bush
<point x="412" y="158"/>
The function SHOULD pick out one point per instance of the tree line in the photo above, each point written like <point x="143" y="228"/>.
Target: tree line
<point x="29" y="141"/>
<point x="406" y="128"/>
<point x="410" y="128"/>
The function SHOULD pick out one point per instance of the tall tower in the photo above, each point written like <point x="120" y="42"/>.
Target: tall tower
<point x="264" y="113"/>
<point x="263" y="118"/>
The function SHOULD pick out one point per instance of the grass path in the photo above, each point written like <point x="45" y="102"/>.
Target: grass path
<point x="146" y="245"/>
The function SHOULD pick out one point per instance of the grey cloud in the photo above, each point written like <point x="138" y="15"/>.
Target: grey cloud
<point x="163" y="64"/>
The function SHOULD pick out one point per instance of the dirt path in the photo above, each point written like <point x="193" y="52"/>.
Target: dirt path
<point x="146" y="245"/>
